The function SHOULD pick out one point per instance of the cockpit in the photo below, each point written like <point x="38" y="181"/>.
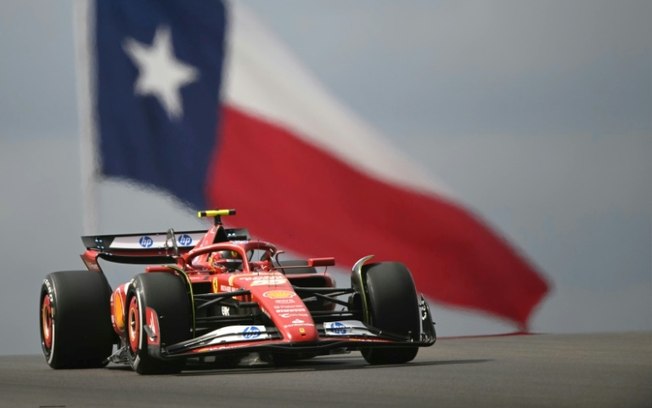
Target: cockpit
<point x="252" y="256"/>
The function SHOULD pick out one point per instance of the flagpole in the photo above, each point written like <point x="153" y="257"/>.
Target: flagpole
<point x="83" y="11"/>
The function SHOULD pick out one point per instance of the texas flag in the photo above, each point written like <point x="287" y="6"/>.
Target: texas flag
<point x="196" y="98"/>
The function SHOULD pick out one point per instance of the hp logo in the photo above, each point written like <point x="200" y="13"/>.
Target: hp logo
<point x="145" y="241"/>
<point x="251" y="332"/>
<point x="185" y="240"/>
<point x="338" y="328"/>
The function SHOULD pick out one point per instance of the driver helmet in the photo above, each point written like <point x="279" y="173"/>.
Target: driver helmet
<point x="231" y="259"/>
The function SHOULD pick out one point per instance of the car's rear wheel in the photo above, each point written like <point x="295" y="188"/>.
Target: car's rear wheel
<point x="165" y="294"/>
<point x="392" y="307"/>
<point x="75" y="319"/>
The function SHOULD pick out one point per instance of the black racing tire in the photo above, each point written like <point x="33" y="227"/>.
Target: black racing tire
<point x="75" y="319"/>
<point x="165" y="293"/>
<point x="393" y="307"/>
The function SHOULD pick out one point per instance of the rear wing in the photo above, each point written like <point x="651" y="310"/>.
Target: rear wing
<point x="147" y="241"/>
<point x="154" y="247"/>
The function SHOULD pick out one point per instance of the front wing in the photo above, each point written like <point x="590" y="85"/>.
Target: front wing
<point x="333" y="336"/>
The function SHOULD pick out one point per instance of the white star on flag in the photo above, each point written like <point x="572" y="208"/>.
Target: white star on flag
<point x="160" y="73"/>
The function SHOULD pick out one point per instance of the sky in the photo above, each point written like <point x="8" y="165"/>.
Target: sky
<point x="536" y="115"/>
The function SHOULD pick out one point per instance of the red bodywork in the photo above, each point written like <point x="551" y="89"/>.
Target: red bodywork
<point x="293" y="306"/>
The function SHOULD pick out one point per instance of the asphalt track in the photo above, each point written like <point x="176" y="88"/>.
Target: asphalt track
<point x="593" y="370"/>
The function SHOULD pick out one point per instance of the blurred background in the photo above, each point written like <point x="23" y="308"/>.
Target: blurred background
<point x="537" y="115"/>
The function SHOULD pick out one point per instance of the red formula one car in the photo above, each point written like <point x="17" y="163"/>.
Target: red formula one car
<point x="216" y="296"/>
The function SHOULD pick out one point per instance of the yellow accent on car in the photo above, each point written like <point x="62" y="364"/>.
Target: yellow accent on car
<point x="215" y="213"/>
<point x="118" y="313"/>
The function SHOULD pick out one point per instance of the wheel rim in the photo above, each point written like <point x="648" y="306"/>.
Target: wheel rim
<point x="47" y="322"/>
<point x="133" y="322"/>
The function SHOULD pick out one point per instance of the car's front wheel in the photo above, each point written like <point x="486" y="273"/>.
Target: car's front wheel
<point x="165" y="295"/>
<point x="392" y="307"/>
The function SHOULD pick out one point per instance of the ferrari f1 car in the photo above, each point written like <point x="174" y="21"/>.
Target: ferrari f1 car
<point x="218" y="295"/>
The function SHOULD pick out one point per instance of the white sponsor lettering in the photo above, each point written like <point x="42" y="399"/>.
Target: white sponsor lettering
<point x="287" y="326"/>
<point x="272" y="280"/>
<point x="347" y="328"/>
<point x="280" y="310"/>
<point x="286" y="302"/>
<point x="234" y="334"/>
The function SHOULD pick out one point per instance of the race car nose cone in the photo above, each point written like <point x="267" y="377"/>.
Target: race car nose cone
<point x="301" y="331"/>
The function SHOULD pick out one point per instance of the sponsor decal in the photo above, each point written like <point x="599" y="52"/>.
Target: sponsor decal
<point x="289" y="315"/>
<point x="338" y="328"/>
<point x="152" y="241"/>
<point x="279" y="294"/>
<point x="217" y="288"/>
<point x="145" y="241"/>
<point x="184" y="240"/>
<point x="231" y="334"/>
<point x="251" y="332"/>
<point x="259" y="279"/>
<point x="299" y="322"/>
<point x="272" y="280"/>
<point x="293" y="310"/>
<point x="301" y="325"/>
<point x="226" y="311"/>
<point x="347" y="328"/>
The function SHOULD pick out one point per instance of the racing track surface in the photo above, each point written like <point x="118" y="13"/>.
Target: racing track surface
<point x="596" y="370"/>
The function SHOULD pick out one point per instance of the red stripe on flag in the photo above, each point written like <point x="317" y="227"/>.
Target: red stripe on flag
<point x="289" y="192"/>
